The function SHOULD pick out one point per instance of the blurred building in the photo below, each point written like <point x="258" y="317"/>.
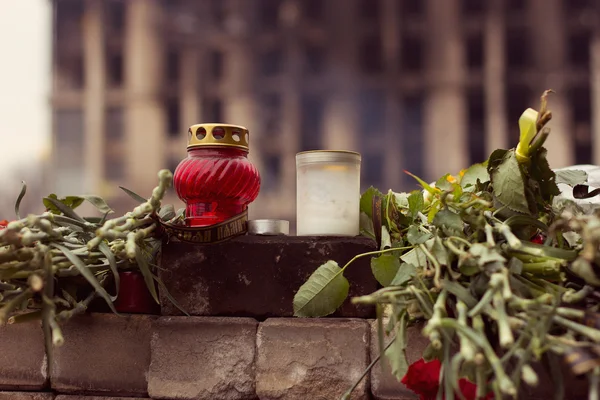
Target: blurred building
<point x="428" y="86"/>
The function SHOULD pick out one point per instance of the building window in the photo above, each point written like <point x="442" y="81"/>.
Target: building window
<point x="475" y="51"/>
<point x="518" y="99"/>
<point x="372" y="165"/>
<point x="371" y="55"/>
<point x="216" y="64"/>
<point x="114" y="124"/>
<point x="172" y="163"/>
<point x="411" y="52"/>
<point x="271" y="62"/>
<point x="312" y="10"/>
<point x="173" y="120"/>
<point x="69" y="71"/>
<point x="412" y="138"/>
<point x="311" y="124"/>
<point x="518" y="50"/>
<point x="271" y="112"/>
<point x="212" y="110"/>
<point x="269" y="13"/>
<point x="69" y="15"/>
<point x="476" y="118"/>
<point x="115" y="10"/>
<point x="515" y="6"/>
<point x="371" y="121"/>
<point x="370" y="10"/>
<point x="172" y="66"/>
<point x="314" y="59"/>
<point x="115" y="69"/>
<point x="412" y="9"/>
<point x="579" y="49"/>
<point x="114" y="168"/>
<point x="577" y="6"/>
<point x="271" y="173"/>
<point x="580" y="101"/>
<point x="473" y="7"/>
<point x="69" y="128"/>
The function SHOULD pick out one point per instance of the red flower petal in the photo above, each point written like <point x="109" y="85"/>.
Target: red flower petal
<point x="3" y="224"/>
<point x="423" y="378"/>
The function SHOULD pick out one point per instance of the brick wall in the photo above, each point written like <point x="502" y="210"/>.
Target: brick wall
<point x="240" y="343"/>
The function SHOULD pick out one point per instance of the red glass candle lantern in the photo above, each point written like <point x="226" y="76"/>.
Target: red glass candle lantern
<point x="216" y="181"/>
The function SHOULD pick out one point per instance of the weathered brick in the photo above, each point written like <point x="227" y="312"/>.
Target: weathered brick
<point x="22" y="357"/>
<point x="264" y="272"/>
<point x="386" y="386"/>
<point x="79" y="397"/>
<point x="104" y="354"/>
<point x="26" y="396"/>
<point x="203" y="358"/>
<point x="311" y="358"/>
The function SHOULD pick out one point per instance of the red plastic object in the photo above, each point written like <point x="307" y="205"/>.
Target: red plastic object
<point x="538" y="238"/>
<point x="134" y="296"/>
<point x="216" y="184"/>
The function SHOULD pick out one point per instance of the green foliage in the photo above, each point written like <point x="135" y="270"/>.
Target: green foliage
<point x="323" y="292"/>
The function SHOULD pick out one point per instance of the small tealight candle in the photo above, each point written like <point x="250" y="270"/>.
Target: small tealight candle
<point x="328" y="193"/>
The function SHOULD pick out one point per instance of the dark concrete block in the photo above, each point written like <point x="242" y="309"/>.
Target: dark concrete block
<point x="257" y="276"/>
<point x="22" y="357"/>
<point x="104" y="354"/>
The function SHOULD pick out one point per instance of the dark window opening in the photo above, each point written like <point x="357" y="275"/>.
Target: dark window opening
<point x="269" y="13"/>
<point x="476" y="117"/>
<point x="312" y="10"/>
<point x="412" y="138"/>
<point x="514" y="6"/>
<point x="218" y="12"/>
<point x="315" y="59"/>
<point x="371" y="55"/>
<point x="474" y="7"/>
<point x="217" y="62"/>
<point x="114" y="168"/>
<point x="271" y="63"/>
<point x="69" y="71"/>
<point x="371" y="121"/>
<point x="475" y="51"/>
<point x="115" y="69"/>
<point x="272" y="172"/>
<point x="311" y="123"/>
<point x="579" y="49"/>
<point x="373" y="169"/>
<point x="577" y="6"/>
<point x="212" y="110"/>
<point x="271" y="111"/>
<point x="114" y="124"/>
<point x="172" y="66"/>
<point x="370" y="10"/>
<point x="173" y="122"/>
<point x="412" y="8"/>
<point x="518" y="50"/>
<point x="411" y="52"/>
<point x="116" y="15"/>
<point x="69" y="15"/>
<point x="518" y="99"/>
<point x="580" y="101"/>
<point x="172" y="163"/>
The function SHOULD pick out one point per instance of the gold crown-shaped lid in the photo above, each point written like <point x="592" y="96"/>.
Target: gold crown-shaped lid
<point x="217" y="135"/>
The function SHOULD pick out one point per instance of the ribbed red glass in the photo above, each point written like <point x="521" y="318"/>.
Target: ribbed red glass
<point x="216" y="184"/>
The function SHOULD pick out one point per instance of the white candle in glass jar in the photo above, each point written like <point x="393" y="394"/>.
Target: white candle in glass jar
<point x="328" y="193"/>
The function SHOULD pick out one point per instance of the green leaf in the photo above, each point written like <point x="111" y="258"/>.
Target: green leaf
<point x="415" y="257"/>
<point x="425" y="185"/>
<point x="386" y="240"/>
<point x="508" y="184"/>
<point x="405" y="273"/>
<point x="144" y="267"/>
<point x="450" y="221"/>
<point x="323" y="292"/>
<point x="366" y="226"/>
<point x="366" y="200"/>
<point x="21" y="195"/>
<point x="56" y="207"/>
<point x="462" y="293"/>
<point x="571" y="177"/>
<point x="542" y="173"/>
<point x="476" y="172"/>
<point x="396" y="353"/>
<point x="385" y="268"/>
<point x="431" y="353"/>
<point x="87" y="274"/>
<point x="97" y="202"/>
<point x="438" y="250"/>
<point x="415" y="236"/>
<point x="133" y="195"/>
<point x="416" y="203"/>
<point x="72" y="201"/>
<point x="103" y="247"/>
<point x="167" y="212"/>
<point x="443" y="183"/>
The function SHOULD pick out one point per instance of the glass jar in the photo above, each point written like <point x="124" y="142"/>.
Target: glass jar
<point x="216" y="181"/>
<point x="328" y="193"/>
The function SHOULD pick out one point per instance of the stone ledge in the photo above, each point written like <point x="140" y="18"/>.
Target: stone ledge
<point x="301" y="359"/>
<point x="257" y="276"/>
<point x="26" y="396"/>
<point x="104" y="354"/>
<point x="22" y="357"/>
<point x="203" y="358"/>
<point x="79" y="397"/>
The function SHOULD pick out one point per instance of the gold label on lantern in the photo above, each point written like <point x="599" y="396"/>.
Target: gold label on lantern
<point x="233" y="227"/>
